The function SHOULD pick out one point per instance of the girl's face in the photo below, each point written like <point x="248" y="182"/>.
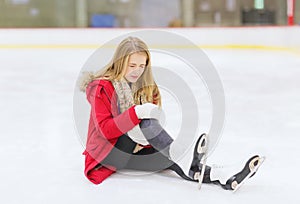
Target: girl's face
<point x="136" y="66"/>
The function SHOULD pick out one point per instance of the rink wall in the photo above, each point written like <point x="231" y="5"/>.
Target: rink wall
<point x="210" y="38"/>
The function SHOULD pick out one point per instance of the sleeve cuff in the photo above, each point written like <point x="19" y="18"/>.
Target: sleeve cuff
<point x="133" y="116"/>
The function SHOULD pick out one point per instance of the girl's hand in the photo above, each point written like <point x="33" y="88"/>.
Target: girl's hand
<point x="147" y="110"/>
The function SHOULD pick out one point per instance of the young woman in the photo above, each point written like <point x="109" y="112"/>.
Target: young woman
<point x="124" y="130"/>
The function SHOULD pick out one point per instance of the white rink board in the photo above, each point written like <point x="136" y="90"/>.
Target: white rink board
<point x="269" y="36"/>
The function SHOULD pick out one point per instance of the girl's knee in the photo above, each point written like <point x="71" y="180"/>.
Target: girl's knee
<point x="145" y="123"/>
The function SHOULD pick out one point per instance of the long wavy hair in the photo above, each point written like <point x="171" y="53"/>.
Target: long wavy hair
<point x="116" y="68"/>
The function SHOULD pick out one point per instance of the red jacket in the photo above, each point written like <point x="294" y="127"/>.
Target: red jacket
<point x="105" y="127"/>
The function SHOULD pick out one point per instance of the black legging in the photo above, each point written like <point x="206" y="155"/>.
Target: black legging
<point x="155" y="158"/>
<point x="147" y="159"/>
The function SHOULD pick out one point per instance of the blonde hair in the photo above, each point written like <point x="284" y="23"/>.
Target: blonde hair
<point x="115" y="70"/>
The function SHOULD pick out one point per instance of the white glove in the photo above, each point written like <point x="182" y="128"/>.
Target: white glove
<point x="137" y="135"/>
<point x="147" y="110"/>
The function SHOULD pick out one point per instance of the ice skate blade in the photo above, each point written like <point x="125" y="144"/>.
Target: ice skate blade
<point x="200" y="180"/>
<point x="260" y="161"/>
<point x="203" y="160"/>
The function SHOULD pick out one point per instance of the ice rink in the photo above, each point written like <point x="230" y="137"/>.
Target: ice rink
<point x="41" y="153"/>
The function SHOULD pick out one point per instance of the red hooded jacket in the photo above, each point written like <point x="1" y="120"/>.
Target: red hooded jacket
<point x="106" y="125"/>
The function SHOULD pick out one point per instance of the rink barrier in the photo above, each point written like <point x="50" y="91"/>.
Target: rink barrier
<point x="213" y="47"/>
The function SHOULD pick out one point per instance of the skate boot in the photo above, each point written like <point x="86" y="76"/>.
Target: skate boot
<point x="197" y="163"/>
<point x="238" y="179"/>
<point x="250" y="168"/>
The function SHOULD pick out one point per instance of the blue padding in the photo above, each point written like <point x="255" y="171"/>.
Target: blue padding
<point x="102" y="20"/>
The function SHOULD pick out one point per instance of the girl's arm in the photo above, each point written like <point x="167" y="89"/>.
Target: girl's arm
<point x="109" y="126"/>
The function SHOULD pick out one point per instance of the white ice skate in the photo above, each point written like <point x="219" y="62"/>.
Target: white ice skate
<point x="253" y="165"/>
<point x="202" y="149"/>
<point x="238" y="179"/>
<point x="197" y="169"/>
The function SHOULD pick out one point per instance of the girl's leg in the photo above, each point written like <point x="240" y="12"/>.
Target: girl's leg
<point x="149" y="159"/>
<point x="120" y="154"/>
<point x="156" y="135"/>
<point x="123" y="150"/>
<point x="162" y="142"/>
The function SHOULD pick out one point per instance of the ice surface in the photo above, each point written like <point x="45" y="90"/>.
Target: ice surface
<point x="40" y="151"/>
